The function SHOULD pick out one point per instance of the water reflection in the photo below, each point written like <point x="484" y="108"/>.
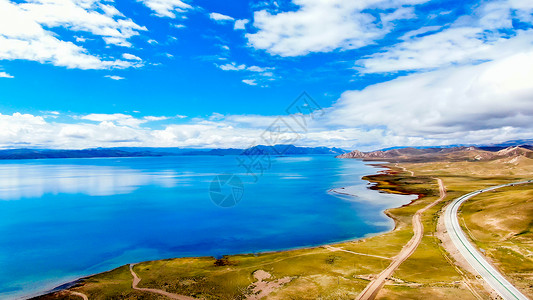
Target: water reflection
<point x="24" y="181"/>
<point x="362" y="194"/>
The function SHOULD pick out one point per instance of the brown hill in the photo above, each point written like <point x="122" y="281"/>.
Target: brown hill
<point x="438" y="154"/>
<point x="515" y="151"/>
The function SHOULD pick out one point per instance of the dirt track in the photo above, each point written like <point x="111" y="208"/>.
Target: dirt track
<point x="136" y="281"/>
<point x="80" y="295"/>
<point x="373" y="288"/>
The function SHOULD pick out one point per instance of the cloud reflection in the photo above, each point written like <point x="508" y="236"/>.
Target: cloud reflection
<point x="27" y="181"/>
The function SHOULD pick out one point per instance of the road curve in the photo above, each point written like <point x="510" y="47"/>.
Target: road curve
<point x="373" y="288"/>
<point x="494" y="278"/>
<point x="80" y="295"/>
<point x="136" y="281"/>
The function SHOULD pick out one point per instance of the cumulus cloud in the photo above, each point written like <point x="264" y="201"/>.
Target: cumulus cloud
<point x="220" y="17"/>
<point x="249" y="81"/>
<point x="259" y="74"/>
<point x="166" y="8"/>
<point x="480" y="37"/>
<point x="450" y="47"/>
<point x="125" y="120"/>
<point x="420" y="31"/>
<point x="242" y="67"/>
<point x="83" y="16"/>
<point x="120" y="119"/>
<point x="232" y="67"/>
<point x="111" y="130"/>
<point x="6" y="75"/>
<point x="114" y="77"/>
<point x="240" y="24"/>
<point x="154" y="118"/>
<point x="326" y="25"/>
<point x="26" y="32"/>
<point x="128" y="56"/>
<point x="490" y="101"/>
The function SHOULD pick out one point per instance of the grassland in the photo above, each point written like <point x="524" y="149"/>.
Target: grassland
<point x="500" y="223"/>
<point x="326" y="273"/>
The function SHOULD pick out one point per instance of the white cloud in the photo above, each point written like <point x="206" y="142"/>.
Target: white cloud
<point x="220" y="17"/>
<point x="249" y="81"/>
<point x="471" y="39"/>
<point x="257" y="69"/>
<point x="153" y="118"/>
<point x="238" y="131"/>
<point x="523" y="9"/>
<point x="468" y="104"/>
<point x="48" y="49"/>
<point x="419" y="31"/>
<point x="166" y="8"/>
<point x="128" y="56"/>
<point x="83" y="16"/>
<point x="402" y="13"/>
<point x="120" y="119"/>
<point x="232" y="67"/>
<point x="240" y="24"/>
<point x="6" y="75"/>
<point x="114" y="77"/>
<point x="123" y="119"/>
<point x="326" y="25"/>
<point x="258" y="74"/>
<point x="242" y="67"/>
<point x="448" y="47"/>
<point x="111" y="130"/>
<point x="23" y="34"/>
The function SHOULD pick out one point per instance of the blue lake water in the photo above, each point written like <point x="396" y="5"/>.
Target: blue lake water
<point x="66" y="218"/>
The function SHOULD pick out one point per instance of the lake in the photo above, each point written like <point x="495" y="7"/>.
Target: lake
<point x="61" y="219"/>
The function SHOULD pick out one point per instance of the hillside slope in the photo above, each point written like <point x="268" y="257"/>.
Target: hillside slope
<point x="439" y="154"/>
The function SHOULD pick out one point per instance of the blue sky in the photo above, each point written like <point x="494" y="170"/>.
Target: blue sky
<point x="96" y="73"/>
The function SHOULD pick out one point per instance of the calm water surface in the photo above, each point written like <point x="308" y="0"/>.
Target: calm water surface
<point x="65" y="218"/>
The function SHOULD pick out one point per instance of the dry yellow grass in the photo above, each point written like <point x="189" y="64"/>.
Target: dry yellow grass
<point x="500" y="223"/>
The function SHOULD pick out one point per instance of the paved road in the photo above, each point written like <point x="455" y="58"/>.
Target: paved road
<point x="373" y="288"/>
<point x="503" y="287"/>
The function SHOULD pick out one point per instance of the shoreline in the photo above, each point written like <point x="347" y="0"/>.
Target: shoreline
<point x="386" y="169"/>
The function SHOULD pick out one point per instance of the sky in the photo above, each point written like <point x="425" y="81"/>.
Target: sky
<point x="219" y="74"/>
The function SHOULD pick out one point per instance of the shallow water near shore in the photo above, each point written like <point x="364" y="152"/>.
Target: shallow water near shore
<point x="62" y="219"/>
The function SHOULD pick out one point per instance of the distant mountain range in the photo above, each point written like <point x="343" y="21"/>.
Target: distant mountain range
<point x="442" y="154"/>
<point x="293" y="150"/>
<point x="526" y="143"/>
<point x="148" y="152"/>
<point x="397" y="154"/>
<point x="87" y="153"/>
